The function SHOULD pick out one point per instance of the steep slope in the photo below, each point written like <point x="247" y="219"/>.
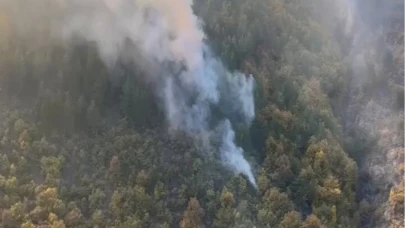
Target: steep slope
<point x="374" y="112"/>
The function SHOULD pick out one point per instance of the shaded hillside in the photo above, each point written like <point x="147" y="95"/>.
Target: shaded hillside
<point x="373" y="112"/>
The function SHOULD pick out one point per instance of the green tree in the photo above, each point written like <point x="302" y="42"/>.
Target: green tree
<point x="312" y="222"/>
<point x="47" y="198"/>
<point x="114" y="168"/>
<point x="291" y="220"/>
<point x="225" y="217"/>
<point x="97" y="218"/>
<point x="17" y="211"/>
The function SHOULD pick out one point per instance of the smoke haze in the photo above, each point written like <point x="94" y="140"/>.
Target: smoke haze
<point x="376" y="62"/>
<point x="190" y="81"/>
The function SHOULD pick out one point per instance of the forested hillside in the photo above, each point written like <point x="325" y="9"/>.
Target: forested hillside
<point x="87" y="143"/>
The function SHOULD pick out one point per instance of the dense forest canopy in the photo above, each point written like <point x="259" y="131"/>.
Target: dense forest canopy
<point x="212" y="113"/>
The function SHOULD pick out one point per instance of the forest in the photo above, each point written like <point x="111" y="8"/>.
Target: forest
<point x="88" y="142"/>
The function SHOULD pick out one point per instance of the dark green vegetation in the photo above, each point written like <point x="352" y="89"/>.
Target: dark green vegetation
<point x="85" y="146"/>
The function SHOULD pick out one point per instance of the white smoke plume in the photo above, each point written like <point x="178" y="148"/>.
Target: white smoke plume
<point x="167" y="33"/>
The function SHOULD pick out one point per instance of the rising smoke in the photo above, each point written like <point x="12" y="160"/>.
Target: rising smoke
<point x="169" y="36"/>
